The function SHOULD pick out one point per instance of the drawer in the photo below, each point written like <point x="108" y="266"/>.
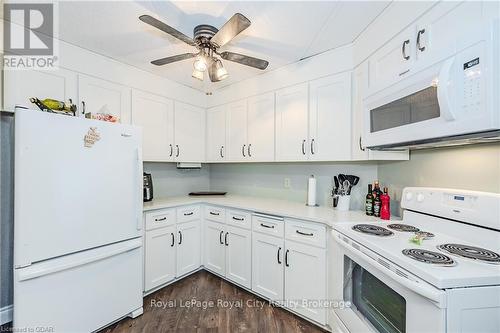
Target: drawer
<point x="216" y="214"/>
<point x="239" y="218"/>
<point x="305" y="232"/>
<point x="160" y="218"/>
<point x="268" y="225"/>
<point x="188" y="213"/>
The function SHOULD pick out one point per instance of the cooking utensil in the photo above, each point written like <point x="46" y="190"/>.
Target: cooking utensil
<point x="337" y="184"/>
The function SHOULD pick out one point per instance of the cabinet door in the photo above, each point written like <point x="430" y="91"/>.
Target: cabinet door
<point x="330" y="118"/>
<point x="239" y="255"/>
<point x="360" y="87"/>
<point x="101" y="96"/>
<point x="216" y="134"/>
<point x="267" y="266"/>
<point x="159" y="257"/>
<point x="291" y="123"/>
<point x="305" y="278"/>
<point x="21" y="85"/>
<point x="155" y="114"/>
<point x="189" y="133"/>
<point x="261" y="128"/>
<point x="237" y="131"/>
<point x="215" y="250"/>
<point x="393" y="61"/>
<point x="188" y="247"/>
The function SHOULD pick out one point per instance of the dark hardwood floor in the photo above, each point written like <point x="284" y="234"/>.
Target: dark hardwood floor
<point x="249" y="313"/>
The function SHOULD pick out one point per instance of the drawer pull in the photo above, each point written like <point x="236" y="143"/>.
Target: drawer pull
<point x="238" y="218"/>
<point x="161" y="219"/>
<point x="188" y="214"/>
<point x="267" y="226"/>
<point x="216" y="214"/>
<point x="304" y="233"/>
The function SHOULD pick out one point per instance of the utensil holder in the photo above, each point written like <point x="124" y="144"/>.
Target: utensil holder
<point x="343" y="202"/>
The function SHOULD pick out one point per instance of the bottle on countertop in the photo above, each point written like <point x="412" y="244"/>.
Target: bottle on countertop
<point x="376" y="203"/>
<point x="385" y="208"/>
<point x="376" y="189"/>
<point x="369" y="201"/>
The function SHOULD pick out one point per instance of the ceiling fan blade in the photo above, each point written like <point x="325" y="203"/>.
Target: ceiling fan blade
<point x="245" y="60"/>
<point x="166" y="28"/>
<point x="236" y="24"/>
<point x="168" y="60"/>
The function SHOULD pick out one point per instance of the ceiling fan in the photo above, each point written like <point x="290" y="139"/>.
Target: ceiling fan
<point x="208" y="39"/>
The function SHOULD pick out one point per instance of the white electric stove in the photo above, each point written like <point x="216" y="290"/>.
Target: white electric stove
<point x="448" y="282"/>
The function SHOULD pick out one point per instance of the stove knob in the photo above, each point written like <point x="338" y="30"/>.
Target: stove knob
<point x="420" y="197"/>
<point x="409" y="196"/>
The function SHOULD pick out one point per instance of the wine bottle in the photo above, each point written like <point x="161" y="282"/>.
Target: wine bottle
<point x="369" y="201"/>
<point x="376" y="204"/>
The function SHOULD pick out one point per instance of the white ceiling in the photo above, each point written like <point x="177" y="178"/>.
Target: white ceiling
<point x="281" y="32"/>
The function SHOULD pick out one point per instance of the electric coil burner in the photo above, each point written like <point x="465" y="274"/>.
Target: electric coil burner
<point x="429" y="257"/>
<point x="372" y="230"/>
<point x="471" y="252"/>
<point x="403" y="227"/>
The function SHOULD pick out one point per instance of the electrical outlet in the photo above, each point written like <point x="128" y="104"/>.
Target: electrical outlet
<point x="287" y="183"/>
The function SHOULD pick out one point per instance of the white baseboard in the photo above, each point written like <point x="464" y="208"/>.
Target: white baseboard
<point x="6" y="314"/>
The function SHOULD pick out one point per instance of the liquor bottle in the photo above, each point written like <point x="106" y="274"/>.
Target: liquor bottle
<point x="376" y="189"/>
<point x="385" y="208"/>
<point x="54" y="105"/>
<point x="376" y="204"/>
<point x="369" y="201"/>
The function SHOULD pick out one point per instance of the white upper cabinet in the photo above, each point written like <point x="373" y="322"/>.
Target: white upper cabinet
<point x="291" y="123"/>
<point x="260" y="129"/>
<point x="330" y="118"/>
<point x="101" y="96"/>
<point x="155" y="114"/>
<point x="21" y="85"/>
<point x="237" y="131"/>
<point x="189" y="133"/>
<point x="216" y="134"/>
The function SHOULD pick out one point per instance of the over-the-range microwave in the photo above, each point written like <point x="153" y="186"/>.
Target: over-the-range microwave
<point x="455" y="101"/>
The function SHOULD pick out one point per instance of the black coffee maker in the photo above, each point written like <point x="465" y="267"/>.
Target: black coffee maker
<point x="148" y="187"/>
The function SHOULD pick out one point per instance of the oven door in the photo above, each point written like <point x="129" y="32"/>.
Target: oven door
<point x="379" y="296"/>
<point x="444" y="100"/>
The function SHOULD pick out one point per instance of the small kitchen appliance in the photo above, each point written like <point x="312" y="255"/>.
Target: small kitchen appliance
<point x="148" y="187"/>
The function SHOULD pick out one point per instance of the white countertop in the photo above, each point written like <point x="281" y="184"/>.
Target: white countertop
<point x="323" y="214"/>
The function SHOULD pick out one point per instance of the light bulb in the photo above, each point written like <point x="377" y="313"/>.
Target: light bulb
<point x="197" y="74"/>
<point x="221" y="72"/>
<point x="200" y="64"/>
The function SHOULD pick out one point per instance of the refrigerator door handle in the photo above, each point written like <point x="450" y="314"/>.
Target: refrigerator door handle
<point x="34" y="272"/>
<point x="139" y="190"/>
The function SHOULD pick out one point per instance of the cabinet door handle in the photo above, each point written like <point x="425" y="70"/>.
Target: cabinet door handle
<point x="403" y="49"/>
<point x="419" y="34"/>
<point x="220" y="237"/>
<point x="312" y="146"/>
<point x="171" y="150"/>
<point x="83" y="107"/>
<point x="238" y="218"/>
<point x="173" y="239"/>
<point x="278" y="255"/>
<point x="360" y="145"/>
<point x="216" y="214"/>
<point x="180" y="238"/>
<point x="249" y="151"/>
<point x="188" y="214"/>
<point x="178" y="151"/>
<point x="286" y="258"/>
<point x="222" y="151"/>
<point x="161" y="219"/>
<point x="225" y="239"/>
<point x="304" y="233"/>
<point x="243" y="150"/>
<point x="267" y="226"/>
<point x="303" y="147"/>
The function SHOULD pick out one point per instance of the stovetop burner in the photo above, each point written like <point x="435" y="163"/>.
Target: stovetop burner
<point x="471" y="252"/>
<point x="372" y="230"/>
<point x="429" y="257"/>
<point x="403" y="227"/>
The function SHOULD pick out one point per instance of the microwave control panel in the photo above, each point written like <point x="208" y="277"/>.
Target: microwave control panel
<point x="472" y="82"/>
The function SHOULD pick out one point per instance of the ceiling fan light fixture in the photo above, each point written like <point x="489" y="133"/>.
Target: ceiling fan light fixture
<point x="198" y="74"/>
<point x="200" y="64"/>
<point x="220" y="71"/>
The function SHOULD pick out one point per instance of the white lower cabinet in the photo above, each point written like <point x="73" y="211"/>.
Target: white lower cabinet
<point x="238" y="244"/>
<point x="267" y="266"/>
<point x="188" y="247"/>
<point x="159" y="254"/>
<point x="215" y="250"/>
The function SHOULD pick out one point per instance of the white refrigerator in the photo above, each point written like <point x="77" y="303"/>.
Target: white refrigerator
<point x="77" y="222"/>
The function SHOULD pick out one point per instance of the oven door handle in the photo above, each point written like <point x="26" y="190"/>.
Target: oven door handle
<point x="422" y="288"/>
<point x="442" y="90"/>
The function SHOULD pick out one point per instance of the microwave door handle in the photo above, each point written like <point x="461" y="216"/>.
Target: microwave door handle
<point x="422" y="288"/>
<point x="443" y="91"/>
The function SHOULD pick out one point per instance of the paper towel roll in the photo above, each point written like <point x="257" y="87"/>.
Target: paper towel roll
<point x="311" y="191"/>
